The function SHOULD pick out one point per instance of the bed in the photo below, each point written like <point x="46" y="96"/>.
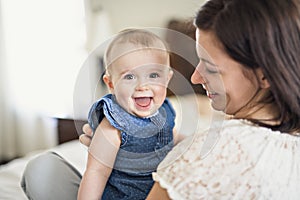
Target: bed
<point x="188" y="120"/>
<point x="11" y="173"/>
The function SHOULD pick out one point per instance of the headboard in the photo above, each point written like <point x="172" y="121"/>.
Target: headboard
<point x="69" y="129"/>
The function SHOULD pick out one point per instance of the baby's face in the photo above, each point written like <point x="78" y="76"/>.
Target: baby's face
<point x="139" y="80"/>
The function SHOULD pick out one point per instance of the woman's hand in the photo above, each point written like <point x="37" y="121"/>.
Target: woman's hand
<point x="86" y="138"/>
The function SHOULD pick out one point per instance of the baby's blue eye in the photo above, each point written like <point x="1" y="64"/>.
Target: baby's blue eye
<point x="154" y="75"/>
<point x="129" y="76"/>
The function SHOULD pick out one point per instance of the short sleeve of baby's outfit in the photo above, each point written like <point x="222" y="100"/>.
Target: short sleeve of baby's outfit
<point x="105" y="107"/>
<point x="245" y="162"/>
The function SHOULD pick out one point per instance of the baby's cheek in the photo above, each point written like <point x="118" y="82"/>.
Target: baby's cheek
<point x="160" y="96"/>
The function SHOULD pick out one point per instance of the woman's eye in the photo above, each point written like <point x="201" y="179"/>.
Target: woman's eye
<point x="211" y="71"/>
<point x="129" y="76"/>
<point x="210" y="68"/>
<point x="154" y="75"/>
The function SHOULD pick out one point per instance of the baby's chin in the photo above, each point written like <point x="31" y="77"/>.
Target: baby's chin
<point x="143" y="113"/>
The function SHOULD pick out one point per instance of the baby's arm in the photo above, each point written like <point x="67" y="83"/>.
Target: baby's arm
<point x="102" y="154"/>
<point x="177" y="137"/>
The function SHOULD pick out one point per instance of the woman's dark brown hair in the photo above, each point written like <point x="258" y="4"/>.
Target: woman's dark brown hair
<point x="265" y="34"/>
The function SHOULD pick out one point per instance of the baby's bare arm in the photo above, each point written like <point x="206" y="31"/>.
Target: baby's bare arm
<point x="103" y="150"/>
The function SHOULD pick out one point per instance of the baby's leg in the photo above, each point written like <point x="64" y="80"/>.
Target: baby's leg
<point x="49" y="176"/>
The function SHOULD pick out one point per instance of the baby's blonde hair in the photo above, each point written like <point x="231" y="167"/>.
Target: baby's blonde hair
<point x="138" y="39"/>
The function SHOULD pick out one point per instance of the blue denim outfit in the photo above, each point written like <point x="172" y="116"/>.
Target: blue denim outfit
<point x="145" y="143"/>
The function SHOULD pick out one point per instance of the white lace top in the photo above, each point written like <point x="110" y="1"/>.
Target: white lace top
<point x="246" y="162"/>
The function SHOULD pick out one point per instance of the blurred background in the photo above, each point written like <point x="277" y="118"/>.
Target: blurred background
<point x="45" y="44"/>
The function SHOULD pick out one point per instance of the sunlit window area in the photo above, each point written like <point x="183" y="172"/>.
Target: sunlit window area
<point x="43" y="48"/>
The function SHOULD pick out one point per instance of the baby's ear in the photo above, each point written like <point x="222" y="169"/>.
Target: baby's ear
<point x="170" y="75"/>
<point x="108" y="82"/>
<point x="263" y="81"/>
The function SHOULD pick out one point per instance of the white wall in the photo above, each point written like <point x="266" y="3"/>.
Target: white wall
<point x="111" y="16"/>
<point x="147" y="12"/>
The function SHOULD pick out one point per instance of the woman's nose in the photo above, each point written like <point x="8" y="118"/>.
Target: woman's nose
<point x="196" y="77"/>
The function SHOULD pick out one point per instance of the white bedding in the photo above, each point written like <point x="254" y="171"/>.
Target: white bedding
<point x="188" y="120"/>
<point x="11" y="173"/>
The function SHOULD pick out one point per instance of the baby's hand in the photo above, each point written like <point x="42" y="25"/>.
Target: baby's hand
<point x="86" y="138"/>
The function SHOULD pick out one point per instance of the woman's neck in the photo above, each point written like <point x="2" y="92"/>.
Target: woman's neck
<point x="264" y="113"/>
<point x="262" y="108"/>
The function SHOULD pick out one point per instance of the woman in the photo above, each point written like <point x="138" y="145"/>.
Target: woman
<point x="254" y="49"/>
<point x="249" y="64"/>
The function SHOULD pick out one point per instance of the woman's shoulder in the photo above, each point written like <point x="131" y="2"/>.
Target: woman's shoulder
<point x="244" y="130"/>
<point x="251" y="139"/>
<point x="237" y="154"/>
<point x="227" y="135"/>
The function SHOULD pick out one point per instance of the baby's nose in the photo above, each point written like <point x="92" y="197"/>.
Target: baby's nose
<point x="142" y="85"/>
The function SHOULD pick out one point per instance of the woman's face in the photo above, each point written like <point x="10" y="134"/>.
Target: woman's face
<point x="229" y="85"/>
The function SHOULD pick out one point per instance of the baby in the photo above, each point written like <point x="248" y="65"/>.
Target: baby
<point x="133" y="125"/>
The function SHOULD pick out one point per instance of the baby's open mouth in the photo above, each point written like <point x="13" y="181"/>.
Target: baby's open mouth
<point x="143" y="101"/>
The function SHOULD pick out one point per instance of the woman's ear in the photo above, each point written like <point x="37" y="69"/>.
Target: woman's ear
<point x="262" y="80"/>
<point x="108" y="82"/>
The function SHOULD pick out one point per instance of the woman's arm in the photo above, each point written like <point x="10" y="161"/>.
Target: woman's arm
<point x="177" y="136"/>
<point x="102" y="154"/>
<point x="157" y="192"/>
